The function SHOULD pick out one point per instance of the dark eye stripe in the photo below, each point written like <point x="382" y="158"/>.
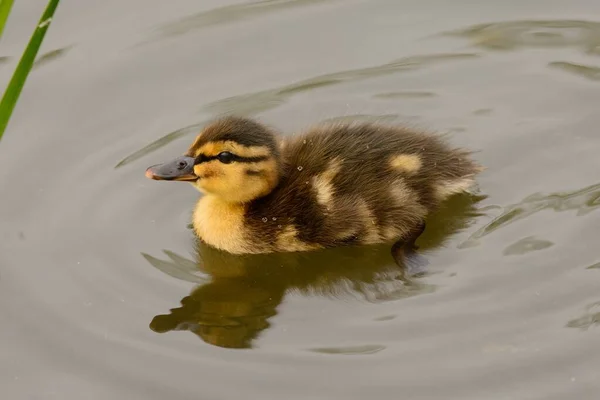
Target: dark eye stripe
<point x="202" y="158"/>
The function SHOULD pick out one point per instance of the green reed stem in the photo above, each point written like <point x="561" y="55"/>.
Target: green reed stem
<point x="11" y="95"/>
<point x="5" y="6"/>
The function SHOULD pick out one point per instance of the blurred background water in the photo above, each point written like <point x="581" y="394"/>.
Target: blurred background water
<point x="100" y="292"/>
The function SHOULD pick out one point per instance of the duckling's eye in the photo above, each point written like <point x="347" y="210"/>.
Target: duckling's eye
<point x="225" y="157"/>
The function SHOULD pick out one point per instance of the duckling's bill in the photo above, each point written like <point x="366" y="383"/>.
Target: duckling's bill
<point x="179" y="169"/>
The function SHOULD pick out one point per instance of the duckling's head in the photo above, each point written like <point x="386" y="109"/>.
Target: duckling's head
<point x="235" y="159"/>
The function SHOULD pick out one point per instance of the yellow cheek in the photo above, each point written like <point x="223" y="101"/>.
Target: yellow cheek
<point x="209" y="170"/>
<point x="231" y="182"/>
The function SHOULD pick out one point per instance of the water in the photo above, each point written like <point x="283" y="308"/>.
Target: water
<point x="96" y="260"/>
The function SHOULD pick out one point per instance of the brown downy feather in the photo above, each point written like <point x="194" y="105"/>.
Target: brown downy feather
<point x="332" y="185"/>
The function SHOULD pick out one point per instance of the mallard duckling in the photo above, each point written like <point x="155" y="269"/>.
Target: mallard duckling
<point x="333" y="185"/>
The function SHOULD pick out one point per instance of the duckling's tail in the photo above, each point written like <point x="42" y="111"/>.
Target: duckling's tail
<point x="461" y="185"/>
<point x="463" y="182"/>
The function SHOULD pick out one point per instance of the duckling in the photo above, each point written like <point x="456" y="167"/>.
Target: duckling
<point x="332" y="185"/>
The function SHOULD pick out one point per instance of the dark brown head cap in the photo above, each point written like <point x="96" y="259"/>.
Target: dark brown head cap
<point x="243" y="131"/>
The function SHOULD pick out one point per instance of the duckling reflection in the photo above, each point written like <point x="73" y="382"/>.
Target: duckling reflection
<point x="242" y="292"/>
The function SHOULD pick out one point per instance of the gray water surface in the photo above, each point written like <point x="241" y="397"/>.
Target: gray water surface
<point x="101" y="296"/>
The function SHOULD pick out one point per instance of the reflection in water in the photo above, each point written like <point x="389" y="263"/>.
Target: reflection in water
<point x="238" y="294"/>
<point x="584" y="201"/>
<point x="511" y="35"/>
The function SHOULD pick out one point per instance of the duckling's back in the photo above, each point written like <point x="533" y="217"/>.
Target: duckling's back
<point x="358" y="183"/>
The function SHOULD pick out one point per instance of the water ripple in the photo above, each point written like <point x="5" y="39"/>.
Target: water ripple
<point x="350" y="350"/>
<point x="590" y="319"/>
<point x="51" y="55"/>
<point x="511" y="35"/>
<point x="404" y="95"/>
<point x="160" y="142"/>
<point x="253" y="103"/>
<point x="177" y="267"/>
<point x="527" y="245"/>
<point x="383" y="118"/>
<point x="594" y="266"/>
<point x="230" y="14"/>
<point x="583" y="201"/>
<point x="589" y="72"/>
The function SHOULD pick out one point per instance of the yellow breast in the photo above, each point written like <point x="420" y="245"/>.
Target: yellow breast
<point x="221" y="225"/>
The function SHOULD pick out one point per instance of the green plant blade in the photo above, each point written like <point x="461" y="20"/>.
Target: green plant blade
<point x="5" y="6"/>
<point x="11" y="95"/>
